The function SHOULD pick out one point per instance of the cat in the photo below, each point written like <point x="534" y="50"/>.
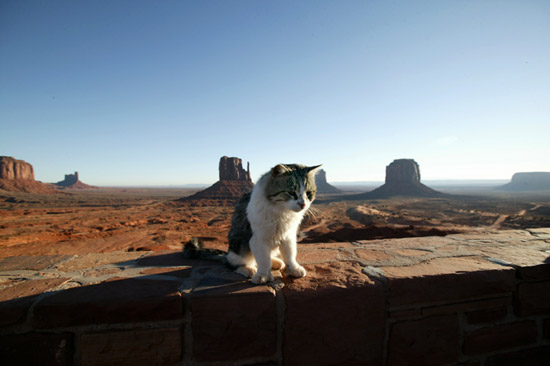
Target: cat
<point x="265" y="223"/>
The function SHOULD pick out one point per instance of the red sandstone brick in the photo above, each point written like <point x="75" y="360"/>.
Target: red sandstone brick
<point x="317" y="256"/>
<point x="533" y="298"/>
<point x="531" y="264"/>
<point x="373" y="255"/>
<point x="467" y="306"/>
<point x="334" y="316"/>
<point x="233" y="320"/>
<point x="36" y="349"/>
<point x="30" y="262"/>
<point x="117" y="301"/>
<point x="404" y="314"/>
<point x="16" y="300"/>
<point x="537" y="356"/>
<point x="487" y="315"/>
<point x="535" y="273"/>
<point x="546" y="328"/>
<point x="447" y="279"/>
<point x="428" y="341"/>
<point x="500" y="337"/>
<point x="145" y="347"/>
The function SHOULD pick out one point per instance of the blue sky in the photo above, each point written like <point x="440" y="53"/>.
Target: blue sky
<point x="155" y="92"/>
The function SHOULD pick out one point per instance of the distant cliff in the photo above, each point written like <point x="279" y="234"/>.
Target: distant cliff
<point x="11" y="168"/>
<point x="18" y="176"/>
<point x="529" y="181"/>
<point x="72" y="181"/>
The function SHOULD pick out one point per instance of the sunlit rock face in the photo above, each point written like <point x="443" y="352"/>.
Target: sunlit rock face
<point x="232" y="169"/>
<point x="11" y="168"/>
<point x="18" y="176"/>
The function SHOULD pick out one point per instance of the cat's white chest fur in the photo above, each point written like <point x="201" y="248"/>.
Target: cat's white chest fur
<point x="271" y="223"/>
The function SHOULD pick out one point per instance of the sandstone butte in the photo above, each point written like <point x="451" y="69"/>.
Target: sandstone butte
<point x="233" y="183"/>
<point x="529" y="181"/>
<point x="402" y="179"/>
<point x="323" y="186"/>
<point x="72" y="181"/>
<point x="18" y="175"/>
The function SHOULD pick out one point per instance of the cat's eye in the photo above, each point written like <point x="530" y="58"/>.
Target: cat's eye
<point x="293" y="195"/>
<point x="309" y="195"/>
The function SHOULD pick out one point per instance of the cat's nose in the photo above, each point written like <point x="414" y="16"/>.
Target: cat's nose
<point x="302" y="205"/>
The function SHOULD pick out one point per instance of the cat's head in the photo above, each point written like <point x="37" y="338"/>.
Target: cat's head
<point x="292" y="186"/>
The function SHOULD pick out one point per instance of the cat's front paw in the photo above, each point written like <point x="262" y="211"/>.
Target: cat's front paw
<point x="260" y="278"/>
<point x="247" y="271"/>
<point x="277" y="264"/>
<point x="295" y="271"/>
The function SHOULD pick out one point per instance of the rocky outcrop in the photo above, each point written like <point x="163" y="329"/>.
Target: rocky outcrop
<point x="403" y="171"/>
<point x="529" y="181"/>
<point x="232" y="169"/>
<point x="11" y="168"/>
<point x="403" y="179"/>
<point x="18" y="176"/>
<point x="323" y="186"/>
<point x="72" y="181"/>
<point x="234" y="182"/>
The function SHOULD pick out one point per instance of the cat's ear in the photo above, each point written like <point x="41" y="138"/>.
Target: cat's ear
<point x="313" y="169"/>
<point x="279" y="169"/>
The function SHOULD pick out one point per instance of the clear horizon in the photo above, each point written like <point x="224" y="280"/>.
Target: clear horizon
<point x="141" y="93"/>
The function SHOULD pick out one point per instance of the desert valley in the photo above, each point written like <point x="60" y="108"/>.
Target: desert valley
<point x="75" y="218"/>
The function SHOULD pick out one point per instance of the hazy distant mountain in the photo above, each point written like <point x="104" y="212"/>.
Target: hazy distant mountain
<point x="528" y="181"/>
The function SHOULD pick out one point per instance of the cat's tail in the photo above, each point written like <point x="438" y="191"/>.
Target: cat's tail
<point x="194" y="249"/>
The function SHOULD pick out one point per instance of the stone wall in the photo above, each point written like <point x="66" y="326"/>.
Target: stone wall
<point x="471" y="299"/>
